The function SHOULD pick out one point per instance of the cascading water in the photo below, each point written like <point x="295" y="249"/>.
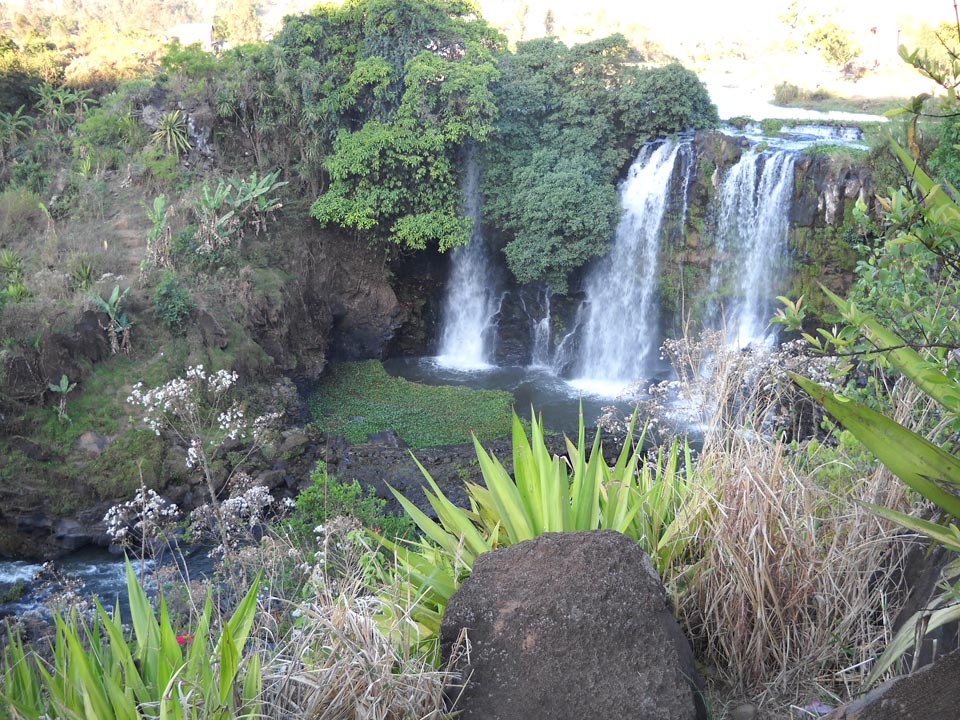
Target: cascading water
<point x="755" y="201"/>
<point x="471" y="303"/>
<point x="620" y="316"/>
<point x="540" y="354"/>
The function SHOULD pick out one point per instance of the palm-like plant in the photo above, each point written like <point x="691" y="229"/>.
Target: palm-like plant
<point x="53" y="102"/>
<point x="171" y="133"/>
<point x="13" y="127"/>
<point x="656" y="503"/>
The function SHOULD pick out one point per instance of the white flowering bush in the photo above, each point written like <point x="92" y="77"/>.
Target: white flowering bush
<point x="243" y="514"/>
<point x="142" y="521"/>
<point x="199" y="411"/>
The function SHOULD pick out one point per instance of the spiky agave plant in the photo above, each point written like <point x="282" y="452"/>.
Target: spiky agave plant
<point x="657" y="503"/>
<point x="171" y="133"/>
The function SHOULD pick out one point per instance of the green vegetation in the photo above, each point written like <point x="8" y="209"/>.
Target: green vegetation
<point x="328" y="498"/>
<point x="172" y="303"/>
<point x="833" y="42"/>
<point x="901" y="320"/>
<point x="371" y="108"/>
<point x="549" y="178"/>
<point x="99" y="671"/>
<point x="654" y="503"/>
<point x="405" y="86"/>
<point x="356" y="399"/>
<point x="789" y="95"/>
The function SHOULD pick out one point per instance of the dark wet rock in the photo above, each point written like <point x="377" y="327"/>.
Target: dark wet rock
<point x="387" y="438"/>
<point x="571" y="625"/>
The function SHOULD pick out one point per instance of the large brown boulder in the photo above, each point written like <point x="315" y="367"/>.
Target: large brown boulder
<point x="571" y="625"/>
<point x="931" y="693"/>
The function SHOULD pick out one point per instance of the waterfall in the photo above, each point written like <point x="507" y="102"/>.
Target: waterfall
<point x="540" y="355"/>
<point x="471" y="303"/>
<point x="621" y="328"/>
<point x="755" y="200"/>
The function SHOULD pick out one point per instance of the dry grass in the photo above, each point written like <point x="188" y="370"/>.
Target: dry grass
<point x="796" y="586"/>
<point x="337" y="660"/>
<point x="338" y="664"/>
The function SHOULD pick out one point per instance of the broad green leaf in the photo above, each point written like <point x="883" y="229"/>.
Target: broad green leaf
<point x="505" y="496"/>
<point x="946" y="535"/>
<point x="922" y="465"/>
<point x="906" y="638"/>
<point x="229" y="656"/>
<point x="240" y="623"/>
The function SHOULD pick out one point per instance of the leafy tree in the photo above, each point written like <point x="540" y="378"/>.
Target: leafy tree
<point x="398" y="87"/>
<point x="570" y="120"/>
<point x="237" y="22"/>
<point x="833" y="43"/>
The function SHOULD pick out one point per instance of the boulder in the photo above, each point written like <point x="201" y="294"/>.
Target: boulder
<point x="570" y="625"/>
<point x="931" y="693"/>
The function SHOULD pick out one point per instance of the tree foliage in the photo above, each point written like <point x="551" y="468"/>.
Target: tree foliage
<point x="570" y="119"/>
<point x="395" y="89"/>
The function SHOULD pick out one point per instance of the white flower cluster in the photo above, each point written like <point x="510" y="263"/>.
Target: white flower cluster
<point x="145" y="517"/>
<point x="243" y="513"/>
<point x="180" y="400"/>
<point x="222" y="380"/>
<point x="193" y="453"/>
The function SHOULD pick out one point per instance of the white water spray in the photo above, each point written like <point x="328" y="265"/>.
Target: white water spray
<point x="471" y="303"/>
<point x="755" y="201"/>
<point x="621" y="327"/>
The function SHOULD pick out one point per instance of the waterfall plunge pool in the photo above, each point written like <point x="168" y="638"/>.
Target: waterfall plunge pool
<point x="555" y="398"/>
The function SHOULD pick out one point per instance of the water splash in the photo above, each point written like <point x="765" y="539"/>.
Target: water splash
<point x="755" y="201"/>
<point x="621" y="328"/>
<point x="471" y="304"/>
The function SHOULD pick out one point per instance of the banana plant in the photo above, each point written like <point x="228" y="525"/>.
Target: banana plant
<point x="118" y="328"/>
<point x="62" y="389"/>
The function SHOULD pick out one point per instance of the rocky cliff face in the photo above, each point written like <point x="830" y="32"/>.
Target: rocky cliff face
<point x="321" y="296"/>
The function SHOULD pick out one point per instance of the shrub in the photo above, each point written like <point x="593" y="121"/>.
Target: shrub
<point x="771" y="126"/>
<point x="20" y="213"/>
<point x="328" y="498"/>
<point x="172" y="303"/>
<point x="785" y="93"/>
<point x="157" y="167"/>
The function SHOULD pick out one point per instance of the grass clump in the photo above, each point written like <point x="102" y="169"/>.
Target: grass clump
<point x="789" y="95"/>
<point x="357" y="399"/>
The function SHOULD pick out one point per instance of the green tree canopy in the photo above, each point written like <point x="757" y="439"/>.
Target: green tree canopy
<point x="570" y="120"/>
<point x="395" y="89"/>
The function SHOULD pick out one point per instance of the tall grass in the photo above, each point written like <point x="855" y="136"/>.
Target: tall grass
<point x="796" y="586"/>
<point x="332" y="655"/>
